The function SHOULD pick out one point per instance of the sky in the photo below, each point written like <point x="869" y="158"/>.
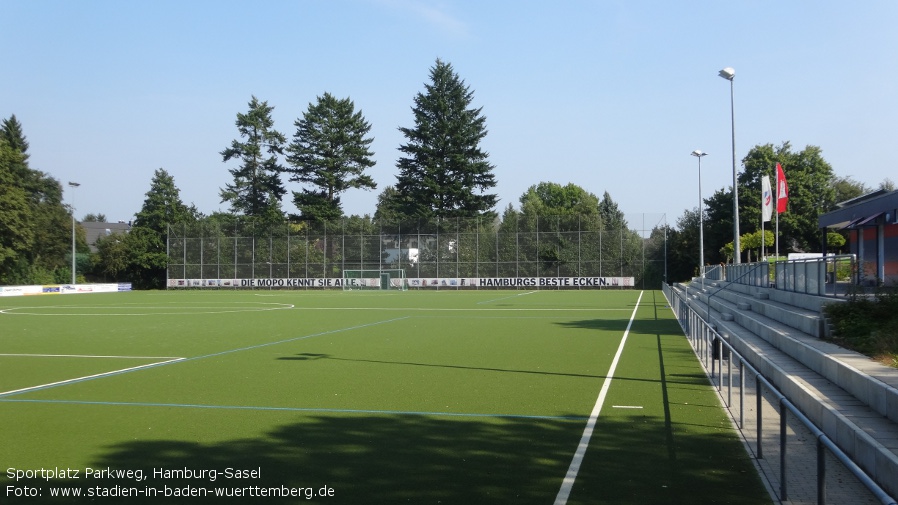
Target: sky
<point x="612" y="96"/>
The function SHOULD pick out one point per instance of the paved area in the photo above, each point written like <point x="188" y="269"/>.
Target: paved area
<point x="841" y="487"/>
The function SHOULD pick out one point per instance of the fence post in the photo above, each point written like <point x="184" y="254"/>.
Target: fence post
<point x="741" y="394"/>
<point x="758" y="414"/>
<point x="783" y="488"/>
<point x="821" y="472"/>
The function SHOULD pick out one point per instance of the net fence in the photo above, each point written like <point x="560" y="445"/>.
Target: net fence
<point x="544" y="246"/>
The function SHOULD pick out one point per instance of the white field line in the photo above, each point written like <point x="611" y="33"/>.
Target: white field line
<point x="91" y="356"/>
<point x="150" y="310"/>
<point x="173" y="360"/>
<point x="87" y="377"/>
<point x="568" y="483"/>
<point x="468" y="309"/>
<point x="506" y="297"/>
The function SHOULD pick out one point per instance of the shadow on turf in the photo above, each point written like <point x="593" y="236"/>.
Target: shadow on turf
<point x="687" y="379"/>
<point x="374" y="459"/>
<point x="308" y="356"/>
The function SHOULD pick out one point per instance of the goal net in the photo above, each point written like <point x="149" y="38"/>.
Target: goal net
<point x="375" y="279"/>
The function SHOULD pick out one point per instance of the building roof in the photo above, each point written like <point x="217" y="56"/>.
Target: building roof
<point x="95" y="230"/>
<point x="862" y="210"/>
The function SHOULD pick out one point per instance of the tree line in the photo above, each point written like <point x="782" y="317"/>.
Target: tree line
<point x="442" y="173"/>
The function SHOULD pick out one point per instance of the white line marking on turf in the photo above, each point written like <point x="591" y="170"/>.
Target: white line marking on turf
<point x="626" y="406"/>
<point x="176" y="360"/>
<point x="90" y="356"/>
<point x="506" y="297"/>
<point x="88" y="377"/>
<point x="470" y="309"/>
<point x="188" y="310"/>
<point x="568" y="483"/>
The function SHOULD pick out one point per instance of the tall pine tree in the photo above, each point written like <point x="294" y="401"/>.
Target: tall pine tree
<point x="330" y="153"/>
<point x="163" y="205"/>
<point x="444" y="173"/>
<point x="11" y="131"/>
<point x="257" y="188"/>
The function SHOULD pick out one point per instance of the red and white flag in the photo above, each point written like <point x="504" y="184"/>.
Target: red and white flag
<point x="782" y="190"/>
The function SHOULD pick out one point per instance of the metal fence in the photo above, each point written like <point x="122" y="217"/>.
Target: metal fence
<point x="799" y="462"/>
<point x="824" y="276"/>
<point x="545" y="246"/>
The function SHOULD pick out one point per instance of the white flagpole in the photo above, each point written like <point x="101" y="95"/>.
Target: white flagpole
<point x="766" y="209"/>
<point x="776" y="209"/>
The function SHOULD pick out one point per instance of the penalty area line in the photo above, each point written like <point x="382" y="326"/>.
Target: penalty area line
<point x="568" y="483"/>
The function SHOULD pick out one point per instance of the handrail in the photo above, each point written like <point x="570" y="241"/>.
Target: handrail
<point x="709" y="336"/>
<point x="734" y="281"/>
<point x="804" y="275"/>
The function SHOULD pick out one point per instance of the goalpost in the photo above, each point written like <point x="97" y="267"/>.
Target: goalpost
<point x="375" y="279"/>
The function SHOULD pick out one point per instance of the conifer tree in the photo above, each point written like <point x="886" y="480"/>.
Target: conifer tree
<point x="330" y="153"/>
<point x="444" y="172"/>
<point x="162" y="205"/>
<point x="15" y="138"/>
<point x="257" y="183"/>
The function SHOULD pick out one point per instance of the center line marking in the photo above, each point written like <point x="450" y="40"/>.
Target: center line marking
<point x="568" y="483"/>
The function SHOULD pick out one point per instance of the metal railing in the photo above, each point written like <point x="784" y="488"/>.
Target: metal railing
<point x="835" y="275"/>
<point x="713" y="352"/>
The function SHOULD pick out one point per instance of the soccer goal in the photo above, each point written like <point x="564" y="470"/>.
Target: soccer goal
<point x="375" y="279"/>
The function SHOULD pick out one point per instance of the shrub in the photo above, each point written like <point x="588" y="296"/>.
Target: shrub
<point x="868" y="325"/>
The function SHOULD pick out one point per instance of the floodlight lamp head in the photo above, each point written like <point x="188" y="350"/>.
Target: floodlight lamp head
<point x="699" y="153"/>
<point x="727" y="73"/>
<point x="74" y="184"/>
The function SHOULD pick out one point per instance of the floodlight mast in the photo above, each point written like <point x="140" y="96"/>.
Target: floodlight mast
<point x="701" y="224"/>
<point x="729" y="74"/>
<point x="73" y="185"/>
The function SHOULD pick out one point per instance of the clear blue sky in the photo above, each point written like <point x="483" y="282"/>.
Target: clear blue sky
<point x="610" y="95"/>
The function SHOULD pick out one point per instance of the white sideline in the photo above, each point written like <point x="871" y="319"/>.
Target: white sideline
<point x="568" y="483"/>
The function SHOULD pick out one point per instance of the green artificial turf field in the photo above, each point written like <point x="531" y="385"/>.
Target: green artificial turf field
<point x="369" y="397"/>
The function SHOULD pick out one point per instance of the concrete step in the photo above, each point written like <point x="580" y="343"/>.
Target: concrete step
<point x="867" y="436"/>
<point x="806" y="320"/>
<point x="873" y="384"/>
<point x="870" y="438"/>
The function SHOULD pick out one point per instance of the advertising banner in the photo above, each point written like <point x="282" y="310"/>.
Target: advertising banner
<point x="414" y="282"/>
<point x="60" y="289"/>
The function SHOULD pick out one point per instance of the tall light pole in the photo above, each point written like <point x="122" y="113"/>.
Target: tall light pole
<point x="73" y="185"/>
<point x="728" y="74"/>
<point x="701" y="219"/>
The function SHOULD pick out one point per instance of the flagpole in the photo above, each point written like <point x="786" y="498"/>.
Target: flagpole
<point x="782" y="192"/>
<point x="766" y="209"/>
<point x="777" y="229"/>
<point x="776" y="209"/>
